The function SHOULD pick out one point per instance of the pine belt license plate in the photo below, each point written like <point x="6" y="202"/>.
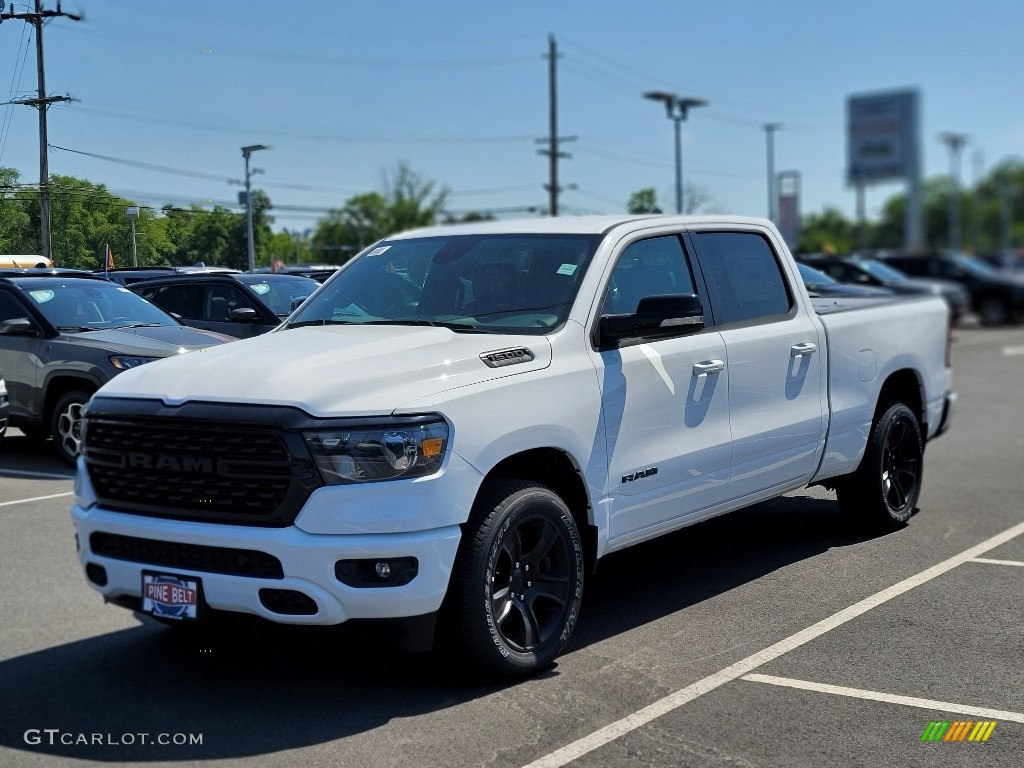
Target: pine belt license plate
<point x="169" y="596"/>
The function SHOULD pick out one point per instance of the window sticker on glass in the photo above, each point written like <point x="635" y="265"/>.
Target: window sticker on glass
<point x="260" y="288"/>
<point x="378" y="251"/>
<point x="567" y="269"/>
<point x="41" y="297"/>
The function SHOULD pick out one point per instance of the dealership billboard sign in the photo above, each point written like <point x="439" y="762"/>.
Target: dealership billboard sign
<point x="883" y="136"/>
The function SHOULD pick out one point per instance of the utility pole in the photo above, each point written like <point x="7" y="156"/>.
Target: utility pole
<point x="246" y="152"/>
<point x="773" y="197"/>
<point x="36" y="19"/>
<point x="553" y="139"/>
<point x="954" y="142"/>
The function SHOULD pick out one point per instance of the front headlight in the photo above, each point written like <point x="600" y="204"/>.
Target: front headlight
<point x="124" y="362"/>
<point x="369" y="453"/>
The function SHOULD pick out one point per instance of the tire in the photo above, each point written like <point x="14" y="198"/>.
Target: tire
<point x="66" y="425"/>
<point x="993" y="311"/>
<point x="883" y="492"/>
<point x="517" y="584"/>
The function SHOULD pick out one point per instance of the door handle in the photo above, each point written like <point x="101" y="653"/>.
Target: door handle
<point x="802" y="349"/>
<point x="708" y="366"/>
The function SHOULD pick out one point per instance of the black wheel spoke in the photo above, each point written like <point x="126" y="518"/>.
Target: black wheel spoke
<point x="546" y="542"/>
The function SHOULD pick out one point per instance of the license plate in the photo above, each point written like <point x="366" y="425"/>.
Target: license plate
<point x="169" y="596"/>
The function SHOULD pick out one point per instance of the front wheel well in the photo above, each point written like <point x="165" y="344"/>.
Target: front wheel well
<point x="57" y="388"/>
<point x="553" y="468"/>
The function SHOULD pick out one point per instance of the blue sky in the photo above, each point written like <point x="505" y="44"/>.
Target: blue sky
<point x="345" y="90"/>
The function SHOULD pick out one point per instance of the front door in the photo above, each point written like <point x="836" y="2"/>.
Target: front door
<point x="665" y="403"/>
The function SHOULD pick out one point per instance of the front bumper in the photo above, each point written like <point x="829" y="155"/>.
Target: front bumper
<point x="307" y="565"/>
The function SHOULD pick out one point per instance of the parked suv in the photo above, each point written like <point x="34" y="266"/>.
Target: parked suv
<point x="129" y="275"/>
<point x="997" y="297"/>
<point x="875" y="273"/>
<point x="65" y="333"/>
<point x="240" y="304"/>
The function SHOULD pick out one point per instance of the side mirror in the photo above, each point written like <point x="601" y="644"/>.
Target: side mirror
<point x="18" y="326"/>
<point x="245" y="315"/>
<point x="656" y="317"/>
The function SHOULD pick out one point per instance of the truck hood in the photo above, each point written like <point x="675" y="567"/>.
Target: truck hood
<point x="331" y="370"/>
<point x="147" y="341"/>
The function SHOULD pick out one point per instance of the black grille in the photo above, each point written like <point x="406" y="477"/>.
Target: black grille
<point x="187" y="557"/>
<point x="195" y="470"/>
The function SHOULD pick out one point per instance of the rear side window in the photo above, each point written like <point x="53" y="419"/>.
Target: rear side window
<point x="743" y="276"/>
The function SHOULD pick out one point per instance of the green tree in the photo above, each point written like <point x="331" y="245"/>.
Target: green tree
<point x="16" y="233"/>
<point x="643" y="201"/>
<point x="828" y="232"/>
<point x="408" y="201"/>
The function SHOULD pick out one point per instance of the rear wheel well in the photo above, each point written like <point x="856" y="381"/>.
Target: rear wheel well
<point x="553" y="468"/>
<point x="903" y="387"/>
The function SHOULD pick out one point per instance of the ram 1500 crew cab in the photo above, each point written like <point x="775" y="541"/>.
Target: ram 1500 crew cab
<point x="463" y="420"/>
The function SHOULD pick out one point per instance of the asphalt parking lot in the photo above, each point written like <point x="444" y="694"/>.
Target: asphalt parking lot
<point x="775" y="636"/>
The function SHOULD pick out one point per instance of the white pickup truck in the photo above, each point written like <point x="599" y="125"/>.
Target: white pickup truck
<point x="454" y="429"/>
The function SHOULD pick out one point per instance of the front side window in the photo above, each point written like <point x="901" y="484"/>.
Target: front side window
<point x="743" y="276"/>
<point x="653" y="267"/>
<point x="482" y="283"/>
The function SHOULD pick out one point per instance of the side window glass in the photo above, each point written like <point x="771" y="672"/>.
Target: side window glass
<point x="652" y="267"/>
<point x="180" y="300"/>
<point x="10" y="309"/>
<point x="223" y="299"/>
<point x="743" y="276"/>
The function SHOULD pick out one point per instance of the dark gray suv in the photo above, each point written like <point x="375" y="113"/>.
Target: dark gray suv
<point x="64" y="334"/>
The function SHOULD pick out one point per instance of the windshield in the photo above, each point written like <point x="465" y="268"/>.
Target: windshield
<point x="812" y="276"/>
<point x="281" y="293"/>
<point x="483" y="283"/>
<point x="882" y="271"/>
<point x="92" y="305"/>
<point x="976" y="267"/>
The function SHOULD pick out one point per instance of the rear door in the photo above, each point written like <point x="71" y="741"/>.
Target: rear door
<point x="776" y="361"/>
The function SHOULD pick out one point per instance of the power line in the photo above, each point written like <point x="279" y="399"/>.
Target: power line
<point x="19" y="72"/>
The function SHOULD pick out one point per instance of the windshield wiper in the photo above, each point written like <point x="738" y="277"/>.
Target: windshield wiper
<point x="143" y="325"/>
<point x="307" y="323"/>
<point x="457" y="327"/>
<point x="76" y="328"/>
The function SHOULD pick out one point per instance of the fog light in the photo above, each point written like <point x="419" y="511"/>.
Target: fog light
<point x="394" y="572"/>
<point x="97" y="574"/>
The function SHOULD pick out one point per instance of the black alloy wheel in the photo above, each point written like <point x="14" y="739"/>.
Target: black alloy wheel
<point x="518" y="580"/>
<point x="885" y="488"/>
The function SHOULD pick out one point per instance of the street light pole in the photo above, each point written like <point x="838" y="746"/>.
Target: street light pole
<point x="133" y="214"/>
<point x="954" y="142"/>
<point x="773" y="198"/>
<point x="246" y="152"/>
<point x="677" y="109"/>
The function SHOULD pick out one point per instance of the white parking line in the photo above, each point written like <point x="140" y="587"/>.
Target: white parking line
<point x="889" y="698"/>
<point x="29" y="473"/>
<point x="1011" y="351"/>
<point x="673" y="701"/>
<point x="34" y="498"/>
<point x="996" y="562"/>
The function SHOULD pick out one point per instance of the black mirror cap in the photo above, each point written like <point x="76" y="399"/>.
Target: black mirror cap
<point x="245" y="315"/>
<point x="18" y="326"/>
<point x="656" y="317"/>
